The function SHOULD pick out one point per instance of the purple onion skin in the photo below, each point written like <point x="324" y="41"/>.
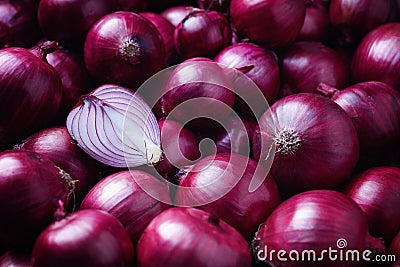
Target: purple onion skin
<point x="176" y="14"/>
<point x="316" y="144"/>
<point x="315" y="220"/>
<point x="217" y="5"/>
<point x="376" y="57"/>
<point x="195" y="238"/>
<point x="264" y="71"/>
<point x="84" y="238"/>
<point x="56" y="23"/>
<point x="202" y="34"/>
<point x="15" y="259"/>
<point x="377" y="192"/>
<point x="32" y="92"/>
<point x="106" y="41"/>
<point x="306" y="64"/>
<point x="32" y="190"/>
<point x="316" y="22"/>
<point x="282" y="20"/>
<point x="394" y="249"/>
<point x="133" y="5"/>
<point x="241" y="209"/>
<point x="120" y="195"/>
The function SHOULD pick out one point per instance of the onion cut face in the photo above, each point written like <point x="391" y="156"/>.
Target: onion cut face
<point x="115" y="126"/>
<point x="315" y="142"/>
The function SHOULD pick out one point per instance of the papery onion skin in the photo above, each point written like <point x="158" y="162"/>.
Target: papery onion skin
<point x="188" y="236"/>
<point x="120" y="195"/>
<point x="176" y="14"/>
<point x="202" y="34"/>
<point x="282" y="20"/>
<point x="55" y="19"/>
<point x="123" y="48"/>
<point x="315" y="220"/>
<point x="258" y="64"/>
<point x="241" y="209"/>
<point x="306" y="64"/>
<point x="377" y="192"/>
<point x="316" y="143"/>
<point x="316" y="22"/>
<point x="56" y="144"/>
<point x="31" y="90"/>
<point x="15" y="259"/>
<point x="33" y="192"/>
<point x="395" y="249"/>
<point x="84" y="238"/>
<point x="376" y="57"/>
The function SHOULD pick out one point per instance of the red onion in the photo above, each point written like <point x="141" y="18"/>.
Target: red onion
<point x="218" y="5"/>
<point x="352" y="19"/>
<point x="55" y="18"/>
<point x="74" y="78"/>
<point x="56" y="144"/>
<point x="176" y="14"/>
<point x="84" y="238"/>
<point x="166" y="30"/>
<point x="281" y="20"/>
<point x="23" y="28"/>
<point x="374" y="108"/>
<point x="123" y="48"/>
<point x="316" y="22"/>
<point x="115" y="126"/>
<point x="179" y="145"/>
<point x="132" y="5"/>
<point x="258" y="64"/>
<point x="395" y="249"/>
<point x="315" y="221"/>
<point x="31" y="90"/>
<point x="221" y="187"/>
<point x="315" y="142"/>
<point x="202" y="34"/>
<point x="188" y="236"/>
<point x="306" y="64"/>
<point x="376" y="57"/>
<point x="197" y="83"/>
<point x="120" y="195"/>
<point x="15" y="259"/>
<point x="377" y="192"/>
<point x="33" y="192"/>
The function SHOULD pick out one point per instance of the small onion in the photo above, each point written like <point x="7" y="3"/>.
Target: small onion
<point x="191" y="237"/>
<point x="377" y="192"/>
<point x="281" y="20"/>
<point x="56" y="144"/>
<point x="120" y="195"/>
<point x="316" y="22"/>
<point x="377" y="56"/>
<point x="33" y="193"/>
<point x="84" y="238"/>
<point x="241" y="209"/>
<point x="395" y="249"/>
<point x="316" y="144"/>
<point x="15" y="259"/>
<point x="176" y="14"/>
<point x="306" y="64"/>
<point x="202" y="34"/>
<point x="31" y="90"/>
<point x="115" y="126"/>
<point x="123" y="48"/>
<point x="314" y="221"/>
<point x="55" y="18"/>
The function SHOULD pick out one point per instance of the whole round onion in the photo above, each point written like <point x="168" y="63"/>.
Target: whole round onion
<point x="120" y="195"/>
<point x="374" y="108"/>
<point x="180" y="147"/>
<point x="84" y="238"/>
<point x="31" y="90"/>
<point x="394" y="249"/>
<point x="202" y="34"/>
<point x="124" y="48"/>
<point x="376" y="57"/>
<point x="314" y="221"/>
<point x="306" y="64"/>
<point x="56" y="144"/>
<point x="210" y="178"/>
<point x="55" y="18"/>
<point x="176" y="14"/>
<point x="281" y="20"/>
<point x="315" y="142"/>
<point x="188" y="236"/>
<point x="377" y="192"/>
<point x="33" y="193"/>
<point x="258" y="64"/>
<point x="316" y="22"/>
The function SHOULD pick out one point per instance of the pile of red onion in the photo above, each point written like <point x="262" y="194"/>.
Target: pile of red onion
<point x="200" y="133"/>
